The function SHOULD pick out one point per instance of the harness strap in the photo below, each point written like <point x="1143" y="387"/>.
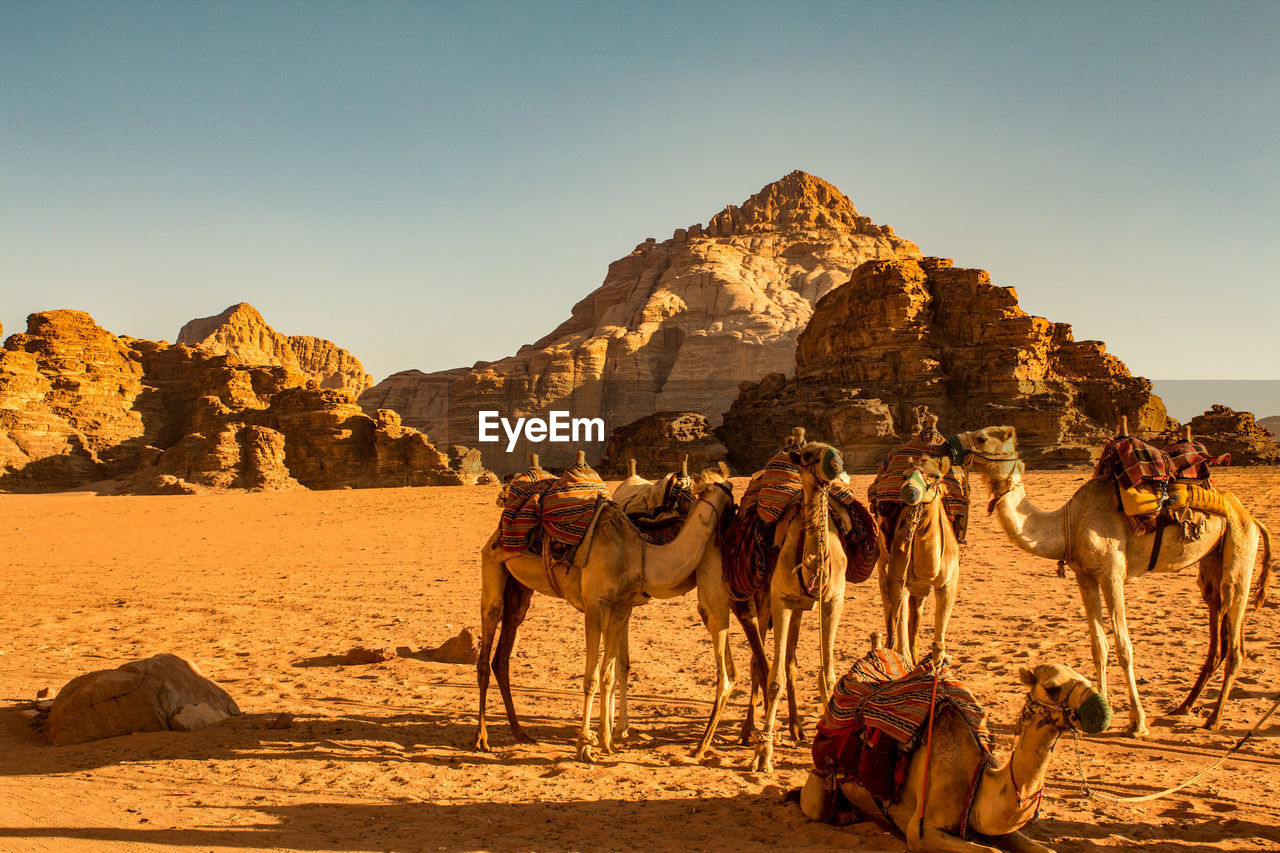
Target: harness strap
<point x="928" y="750"/>
<point x="1066" y="548"/>
<point x="1155" y="548"/>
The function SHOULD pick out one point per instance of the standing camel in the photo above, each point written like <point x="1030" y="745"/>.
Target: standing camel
<point x="930" y="810"/>
<point x="1093" y="537"/>
<point x="922" y="554"/>
<point x="620" y="571"/>
<point x="812" y="543"/>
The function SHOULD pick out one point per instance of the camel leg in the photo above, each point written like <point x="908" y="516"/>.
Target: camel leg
<point x="763" y="762"/>
<point x="616" y="623"/>
<point x="724" y="679"/>
<point x="590" y="679"/>
<point x="1237" y="576"/>
<point x="515" y="606"/>
<point x="1091" y="596"/>
<point x="833" y="609"/>
<point x="934" y="840"/>
<point x="915" y="612"/>
<point x="1113" y="592"/>
<point x="1210" y="574"/>
<point x="493" y="581"/>
<point x="944" y="600"/>
<point x="759" y="664"/>
<point x="793" y="704"/>
<point x="622" y="727"/>
<point x="1018" y="843"/>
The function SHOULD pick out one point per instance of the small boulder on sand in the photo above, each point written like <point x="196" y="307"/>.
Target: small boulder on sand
<point x="459" y="649"/>
<point x="160" y="693"/>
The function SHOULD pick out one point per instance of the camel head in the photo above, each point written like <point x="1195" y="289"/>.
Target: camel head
<point x="922" y="479"/>
<point x="819" y="463"/>
<point x="993" y="450"/>
<point x="1065" y="699"/>
<point x="710" y="476"/>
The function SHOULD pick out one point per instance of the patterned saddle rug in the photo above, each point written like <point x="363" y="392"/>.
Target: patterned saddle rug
<point x="877" y="717"/>
<point x="1162" y="484"/>
<point x="559" y="509"/>
<point x="885" y="493"/>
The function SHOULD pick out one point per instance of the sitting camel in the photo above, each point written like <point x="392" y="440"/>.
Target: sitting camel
<point x="620" y="571"/>
<point x="931" y="811"/>
<point x="811" y="542"/>
<point x="923" y="554"/>
<point x="1091" y="535"/>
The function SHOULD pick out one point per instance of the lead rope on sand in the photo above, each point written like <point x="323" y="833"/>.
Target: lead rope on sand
<point x="1089" y="793"/>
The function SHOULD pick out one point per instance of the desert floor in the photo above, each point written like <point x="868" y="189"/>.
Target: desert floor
<point x="261" y="589"/>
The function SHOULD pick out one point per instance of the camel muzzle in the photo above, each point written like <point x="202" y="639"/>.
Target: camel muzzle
<point x="913" y="489"/>
<point x="1094" y="715"/>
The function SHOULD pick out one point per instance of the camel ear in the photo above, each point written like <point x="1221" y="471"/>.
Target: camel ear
<point x="1027" y="677"/>
<point x="793" y="457"/>
<point x="1007" y="433"/>
<point x="944" y="465"/>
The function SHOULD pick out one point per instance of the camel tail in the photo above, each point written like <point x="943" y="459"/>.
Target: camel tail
<point x="1264" y="579"/>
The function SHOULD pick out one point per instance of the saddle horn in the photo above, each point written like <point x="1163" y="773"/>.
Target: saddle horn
<point x="1124" y="426"/>
<point x="1187" y="432"/>
<point x="684" y="464"/>
<point x="533" y="462"/>
<point x="631" y="467"/>
<point x="797" y="437"/>
<point x="582" y="458"/>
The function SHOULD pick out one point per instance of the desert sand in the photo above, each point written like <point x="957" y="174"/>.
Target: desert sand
<point x="261" y="590"/>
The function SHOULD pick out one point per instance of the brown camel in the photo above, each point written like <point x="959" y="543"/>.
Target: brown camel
<point x="1093" y="537"/>
<point x="620" y="571"/>
<point x="1007" y="796"/>
<point x="923" y="554"/>
<point x="811" y="542"/>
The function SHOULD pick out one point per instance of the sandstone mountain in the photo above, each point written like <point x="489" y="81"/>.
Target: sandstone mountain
<point x="80" y="405"/>
<point x="905" y="333"/>
<point x="676" y="325"/>
<point x="241" y="333"/>
<point x="657" y="443"/>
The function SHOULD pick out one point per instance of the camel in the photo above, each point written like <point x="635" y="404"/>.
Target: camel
<point x="923" y="554"/>
<point x="620" y="571"/>
<point x="811" y="539"/>
<point x="1092" y="536"/>
<point x="932" y="816"/>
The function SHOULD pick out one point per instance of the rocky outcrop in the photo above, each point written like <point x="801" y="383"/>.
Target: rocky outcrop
<point x="677" y="325"/>
<point x="1224" y="430"/>
<point x="241" y="333"/>
<point x="79" y="405"/>
<point x="658" y="442"/>
<point x="907" y="333"/>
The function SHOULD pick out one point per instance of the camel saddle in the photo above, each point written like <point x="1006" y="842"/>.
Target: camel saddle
<point x="660" y="511"/>
<point x="1160" y="486"/>
<point x="550" y="517"/>
<point x="884" y="495"/>
<point x="877" y="716"/>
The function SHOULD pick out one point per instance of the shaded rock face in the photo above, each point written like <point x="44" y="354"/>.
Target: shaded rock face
<point x="907" y="333"/>
<point x="658" y="442"/>
<point x="160" y="693"/>
<point x="1224" y="430"/>
<point x="242" y="333"/>
<point x="676" y="325"/>
<point x="80" y="405"/>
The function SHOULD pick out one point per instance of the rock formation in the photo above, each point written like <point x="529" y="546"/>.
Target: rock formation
<point x="79" y="405"/>
<point x="160" y="693"/>
<point x="905" y="333"/>
<point x="676" y="325"/>
<point x="241" y="333"/>
<point x="657" y="443"/>
<point x="1224" y="430"/>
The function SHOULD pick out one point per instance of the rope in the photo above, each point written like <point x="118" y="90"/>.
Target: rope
<point x="928" y="750"/>
<point x="1090" y="793"/>
<point x="1066" y="548"/>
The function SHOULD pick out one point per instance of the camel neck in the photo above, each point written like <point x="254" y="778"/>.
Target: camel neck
<point x="1009" y="794"/>
<point x="668" y="568"/>
<point x="1035" y="531"/>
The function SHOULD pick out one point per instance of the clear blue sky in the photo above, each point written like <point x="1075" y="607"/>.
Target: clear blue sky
<point x="428" y="184"/>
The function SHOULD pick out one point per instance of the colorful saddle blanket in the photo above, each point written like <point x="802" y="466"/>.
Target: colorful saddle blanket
<point x="749" y="552"/>
<point x="560" y="508"/>
<point x="887" y="486"/>
<point x="1152" y="480"/>
<point x="877" y="716"/>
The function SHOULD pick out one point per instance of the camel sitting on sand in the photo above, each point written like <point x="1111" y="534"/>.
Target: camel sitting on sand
<point x="931" y="811"/>
<point x="922" y="554"/>
<point x="1091" y="535"/>
<point x="813" y="542"/>
<point x="620" y="571"/>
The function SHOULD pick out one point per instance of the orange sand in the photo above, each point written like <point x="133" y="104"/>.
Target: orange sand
<point x="260" y="588"/>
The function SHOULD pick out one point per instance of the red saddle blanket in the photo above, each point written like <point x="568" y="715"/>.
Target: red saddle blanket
<point x="877" y="716"/>
<point x="560" y="508"/>
<point x="1131" y="462"/>
<point x="748" y="554"/>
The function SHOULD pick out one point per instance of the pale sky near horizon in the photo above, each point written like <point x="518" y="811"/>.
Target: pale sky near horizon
<point x="432" y="184"/>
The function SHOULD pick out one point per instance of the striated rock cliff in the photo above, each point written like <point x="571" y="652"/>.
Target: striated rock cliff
<point x="657" y="443"/>
<point x="905" y="333"/>
<point x="676" y="325"/>
<point x="80" y="405"/>
<point x="242" y="333"/>
<point x="1224" y="430"/>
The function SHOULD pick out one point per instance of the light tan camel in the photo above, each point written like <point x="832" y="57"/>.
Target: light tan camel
<point x="620" y="571"/>
<point x="923" y="554"/>
<point x="1094" y="538"/>
<point x="1008" y="795"/>
<point x="811" y="542"/>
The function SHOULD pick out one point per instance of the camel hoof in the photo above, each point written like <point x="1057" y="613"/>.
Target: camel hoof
<point x="521" y="737"/>
<point x="1138" y="730"/>
<point x="620" y="735"/>
<point x="763" y="762"/>
<point x="482" y="742"/>
<point x="585" y="755"/>
<point x="1213" y="723"/>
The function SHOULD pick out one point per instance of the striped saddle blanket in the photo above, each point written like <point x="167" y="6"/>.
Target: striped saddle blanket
<point x="560" y="509"/>
<point x="877" y="716"/>
<point x="886" y="488"/>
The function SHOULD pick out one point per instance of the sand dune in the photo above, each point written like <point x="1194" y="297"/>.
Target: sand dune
<point x="260" y="589"/>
